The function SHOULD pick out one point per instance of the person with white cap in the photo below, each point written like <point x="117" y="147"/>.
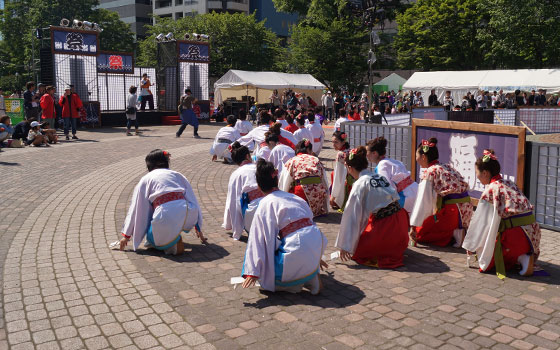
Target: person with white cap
<point x="35" y="137"/>
<point x="71" y="105"/>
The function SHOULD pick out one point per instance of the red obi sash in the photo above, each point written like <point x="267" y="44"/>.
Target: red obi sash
<point x="254" y="194"/>
<point x="294" y="226"/>
<point x="404" y="184"/>
<point x="167" y="197"/>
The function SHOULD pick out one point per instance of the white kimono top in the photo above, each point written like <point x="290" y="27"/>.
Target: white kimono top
<point x="169" y="219"/>
<point x="439" y="180"/>
<point x="263" y="152"/>
<point x="318" y="136"/>
<point x="396" y="173"/>
<point x="243" y="126"/>
<point x="338" y="189"/>
<point x="303" y="133"/>
<point x="338" y="122"/>
<point x="292" y="260"/>
<point x="279" y="155"/>
<point x="219" y="147"/>
<point x="370" y="193"/>
<point x="501" y="199"/>
<point x="242" y="180"/>
<point x="254" y="138"/>
<point x="284" y="122"/>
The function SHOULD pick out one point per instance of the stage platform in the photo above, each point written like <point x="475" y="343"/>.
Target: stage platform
<point x="118" y="118"/>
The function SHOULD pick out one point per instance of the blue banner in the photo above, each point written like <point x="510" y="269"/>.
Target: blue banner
<point x="194" y="52"/>
<point x="115" y="63"/>
<point x="75" y="42"/>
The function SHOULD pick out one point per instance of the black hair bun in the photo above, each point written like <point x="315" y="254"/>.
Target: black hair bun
<point x="433" y="140"/>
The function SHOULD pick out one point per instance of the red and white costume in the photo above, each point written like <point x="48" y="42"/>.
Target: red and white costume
<point x="503" y="213"/>
<point x="437" y="223"/>
<point x="303" y="133"/>
<point x="225" y="137"/>
<point x="374" y="228"/>
<point x="305" y="176"/>
<point x="243" y="126"/>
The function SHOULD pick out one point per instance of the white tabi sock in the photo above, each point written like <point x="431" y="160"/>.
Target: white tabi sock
<point x="524" y="261"/>
<point x="458" y="235"/>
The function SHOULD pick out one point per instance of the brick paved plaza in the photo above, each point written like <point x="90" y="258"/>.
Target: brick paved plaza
<point x="63" y="288"/>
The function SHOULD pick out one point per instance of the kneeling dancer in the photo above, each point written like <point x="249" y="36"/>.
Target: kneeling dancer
<point x="285" y="246"/>
<point x="163" y="205"/>
<point x="374" y="227"/>
<point x="503" y="231"/>
<point x="443" y="208"/>
<point x="243" y="193"/>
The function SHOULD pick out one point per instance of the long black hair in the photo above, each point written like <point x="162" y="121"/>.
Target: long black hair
<point x="267" y="176"/>
<point x="239" y="153"/>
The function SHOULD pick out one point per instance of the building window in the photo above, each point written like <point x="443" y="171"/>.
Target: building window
<point x="178" y="15"/>
<point x="163" y="3"/>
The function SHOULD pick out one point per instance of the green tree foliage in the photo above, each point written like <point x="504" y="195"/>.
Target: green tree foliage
<point x="522" y="34"/>
<point x="19" y="19"/>
<point x="441" y="35"/>
<point x="237" y="41"/>
<point x="479" y="34"/>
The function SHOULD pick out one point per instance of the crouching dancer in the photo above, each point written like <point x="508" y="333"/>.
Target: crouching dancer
<point x="163" y="205"/>
<point x="285" y="247"/>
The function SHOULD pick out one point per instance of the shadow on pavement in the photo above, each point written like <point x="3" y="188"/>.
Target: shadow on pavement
<point x="335" y="294"/>
<point x="193" y="253"/>
<point x="9" y="163"/>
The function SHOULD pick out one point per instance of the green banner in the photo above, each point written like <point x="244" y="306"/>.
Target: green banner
<point x="14" y="109"/>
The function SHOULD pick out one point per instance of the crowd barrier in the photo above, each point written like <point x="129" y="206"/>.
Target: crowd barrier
<point x="539" y="119"/>
<point x="542" y="165"/>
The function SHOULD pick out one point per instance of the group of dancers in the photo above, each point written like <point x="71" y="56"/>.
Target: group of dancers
<point x="281" y="185"/>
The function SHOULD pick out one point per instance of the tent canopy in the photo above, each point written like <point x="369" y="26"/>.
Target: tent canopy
<point x="237" y="83"/>
<point x="391" y="82"/>
<point x="461" y="82"/>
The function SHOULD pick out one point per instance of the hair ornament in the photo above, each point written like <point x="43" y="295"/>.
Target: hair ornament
<point x="306" y="142"/>
<point x="230" y="148"/>
<point x="426" y="145"/>
<point x="352" y="153"/>
<point x="167" y="154"/>
<point x="487" y="155"/>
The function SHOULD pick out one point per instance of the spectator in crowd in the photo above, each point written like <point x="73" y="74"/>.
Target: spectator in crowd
<point x="540" y="99"/>
<point x="275" y="99"/>
<point x="2" y="103"/>
<point x="510" y="101"/>
<point x="341" y="119"/>
<point x="418" y="100"/>
<point x="432" y="99"/>
<point x="6" y="129"/>
<point x="50" y="134"/>
<point x="519" y="100"/>
<point x="502" y="97"/>
<point x="31" y="101"/>
<point x="311" y="103"/>
<point x="494" y="100"/>
<point x="448" y="101"/>
<point x="531" y="99"/>
<point x="303" y="101"/>
<point x="71" y="105"/>
<point x="472" y="101"/>
<point x="21" y="130"/>
<point x="146" y="93"/>
<point x="187" y="114"/>
<point x="338" y="104"/>
<point x="552" y="100"/>
<point x="131" y="110"/>
<point x="382" y="101"/>
<point x="48" y="111"/>
<point x="318" y="116"/>
<point x="465" y="104"/>
<point x="329" y="106"/>
<point x="481" y="101"/>
<point x="525" y="99"/>
<point x="35" y="137"/>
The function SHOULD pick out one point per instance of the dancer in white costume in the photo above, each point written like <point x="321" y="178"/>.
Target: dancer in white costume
<point x="243" y="126"/>
<point x="163" y="205"/>
<point x="285" y="246"/>
<point x="394" y="171"/>
<point x="317" y="132"/>
<point x="243" y="193"/>
<point x="280" y="153"/>
<point x="302" y="132"/>
<point x="225" y="137"/>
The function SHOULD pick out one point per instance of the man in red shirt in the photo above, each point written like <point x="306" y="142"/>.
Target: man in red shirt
<point x="47" y="107"/>
<point x="71" y="105"/>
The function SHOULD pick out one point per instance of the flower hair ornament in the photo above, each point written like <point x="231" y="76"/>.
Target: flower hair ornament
<point x="167" y="154"/>
<point x="230" y="148"/>
<point x="352" y="153"/>
<point x="306" y="142"/>
<point x="487" y="155"/>
<point x="426" y="145"/>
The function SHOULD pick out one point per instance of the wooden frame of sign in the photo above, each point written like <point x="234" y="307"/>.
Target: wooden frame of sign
<point x="518" y="131"/>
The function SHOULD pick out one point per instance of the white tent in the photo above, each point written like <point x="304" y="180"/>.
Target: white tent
<point x="461" y="82"/>
<point x="238" y="83"/>
<point x="391" y="82"/>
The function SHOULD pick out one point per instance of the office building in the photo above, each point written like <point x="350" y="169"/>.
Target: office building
<point x="137" y="13"/>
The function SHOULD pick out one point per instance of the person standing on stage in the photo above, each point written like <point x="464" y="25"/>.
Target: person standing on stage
<point x="285" y="246"/>
<point x="71" y="105"/>
<point x="146" y="93"/>
<point x="187" y="114"/>
<point x="374" y="228"/>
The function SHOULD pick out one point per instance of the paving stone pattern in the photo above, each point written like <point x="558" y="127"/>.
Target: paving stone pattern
<point x="63" y="288"/>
